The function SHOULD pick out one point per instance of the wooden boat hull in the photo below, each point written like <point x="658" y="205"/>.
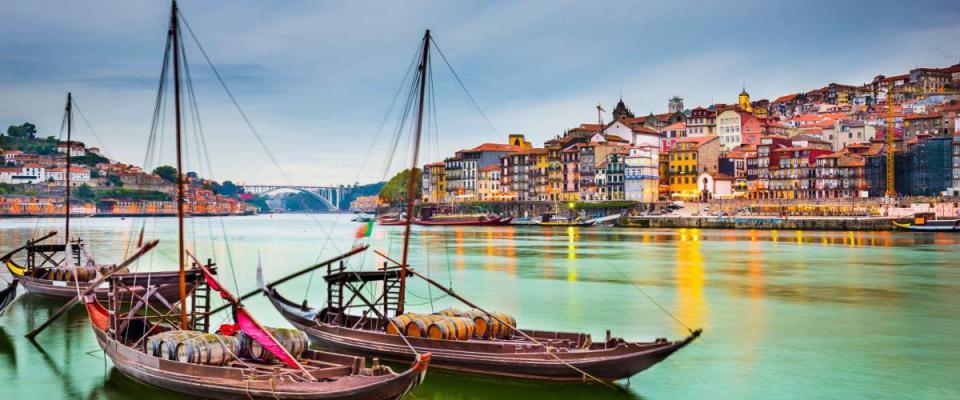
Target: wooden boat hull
<point x="566" y="224"/>
<point x="8" y="294"/>
<point x="226" y="383"/>
<point x="495" y="358"/>
<point x="928" y="227"/>
<point x="67" y="290"/>
<point x="493" y="221"/>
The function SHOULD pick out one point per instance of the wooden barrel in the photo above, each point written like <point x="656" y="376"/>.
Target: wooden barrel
<point x="56" y="274"/>
<point x="490" y="328"/>
<point x="83" y="274"/>
<point x="417" y="327"/>
<point x="164" y="345"/>
<point x="501" y="330"/>
<point x="291" y="339"/>
<point x="465" y="327"/>
<point x="451" y="312"/>
<point x="441" y="327"/>
<point x="399" y="322"/>
<point x="482" y="322"/>
<point x="208" y="349"/>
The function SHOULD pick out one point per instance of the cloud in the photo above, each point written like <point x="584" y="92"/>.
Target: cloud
<point x="316" y="78"/>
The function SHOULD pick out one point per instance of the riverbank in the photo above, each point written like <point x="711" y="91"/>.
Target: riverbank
<point x="761" y="222"/>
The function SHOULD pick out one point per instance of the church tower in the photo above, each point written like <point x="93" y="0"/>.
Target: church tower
<point x="744" y="101"/>
<point x="621" y="111"/>
<point x="675" y="105"/>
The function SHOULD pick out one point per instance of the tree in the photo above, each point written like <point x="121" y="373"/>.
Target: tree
<point x="114" y="180"/>
<point x="166" y="172"/>
<point x="396" y="188"/>
<point x="228" y="188"/>
<point x="84" y="192"/>
<point x="94" y="173"/>
<point x="27" y="130"/>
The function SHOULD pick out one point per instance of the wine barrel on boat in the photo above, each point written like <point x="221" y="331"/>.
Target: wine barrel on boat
<point x="208" y="349"/>
<point x="399" y="324"/>
<point x="453" y="312"/>
<point x="489" y="327"/>
<point x="451" y="328"/>
<point x="441" y="327"/>
<point x="164" y="345"/>
<point x="417" y="327"/>
<point x="293" y="340"/>
<point x="81" y="274"/>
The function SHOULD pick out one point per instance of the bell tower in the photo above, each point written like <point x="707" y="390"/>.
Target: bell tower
<point x="744" y="100"/>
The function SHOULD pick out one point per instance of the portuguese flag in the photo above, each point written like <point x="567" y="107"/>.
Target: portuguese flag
<point x="365" y="230"/>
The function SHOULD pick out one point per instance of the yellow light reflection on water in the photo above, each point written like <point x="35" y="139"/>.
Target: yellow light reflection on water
<point x="691" y="305"/>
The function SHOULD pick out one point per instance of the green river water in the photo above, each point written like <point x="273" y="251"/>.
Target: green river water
<point x="786" y="314"/>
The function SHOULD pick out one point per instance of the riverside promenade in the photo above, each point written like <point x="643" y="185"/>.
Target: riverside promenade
<point x="760" y="222"/>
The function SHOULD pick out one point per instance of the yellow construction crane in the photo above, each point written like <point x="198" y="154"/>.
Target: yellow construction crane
<point x="891" y="128"/>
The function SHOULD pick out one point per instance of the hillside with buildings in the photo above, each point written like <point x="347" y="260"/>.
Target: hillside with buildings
<point x="34" y="172"/>
<point x="826" y="143"/>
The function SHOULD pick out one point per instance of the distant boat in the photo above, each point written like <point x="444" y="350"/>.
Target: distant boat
<point x="463" y="220"/>
<point x="551" y="219"/>
<point x="362" y="217"/>
<point x="928" y="222"/>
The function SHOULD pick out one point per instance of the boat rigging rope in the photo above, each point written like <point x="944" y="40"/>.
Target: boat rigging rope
<point x="644" y="293"/>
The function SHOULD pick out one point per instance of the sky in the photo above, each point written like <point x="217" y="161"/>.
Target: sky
<point x="317" y="78"/>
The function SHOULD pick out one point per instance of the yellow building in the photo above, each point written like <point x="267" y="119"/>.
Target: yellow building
<point x="744" y="101"/>
<point x="436" y="192"/>
<point x="688" y="158"/>
<point x="542" y="174"/>
<point x="488" y="184"/>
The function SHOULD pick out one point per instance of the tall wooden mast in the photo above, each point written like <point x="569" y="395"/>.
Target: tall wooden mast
<point x="174" y="37"/>
<point x="66" y="203"/>
<point x="411" y="183"/>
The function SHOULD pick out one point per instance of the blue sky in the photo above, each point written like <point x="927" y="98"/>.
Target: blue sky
<point x="317" y="78"/>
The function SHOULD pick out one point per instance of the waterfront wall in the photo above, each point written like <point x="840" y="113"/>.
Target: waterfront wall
<point x="760" y="222"/>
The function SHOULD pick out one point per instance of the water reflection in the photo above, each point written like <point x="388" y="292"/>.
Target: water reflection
<point x="689" y="275"/>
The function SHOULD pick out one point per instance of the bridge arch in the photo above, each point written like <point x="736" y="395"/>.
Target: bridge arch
<point x="331" y="200"/>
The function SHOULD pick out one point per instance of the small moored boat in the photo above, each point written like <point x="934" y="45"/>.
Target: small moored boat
<point x="928" y="222"/>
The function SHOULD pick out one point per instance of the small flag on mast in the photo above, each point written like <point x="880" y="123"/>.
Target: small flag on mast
<point x="365" y="230"/>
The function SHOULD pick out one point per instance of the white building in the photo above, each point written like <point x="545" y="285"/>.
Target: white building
<point x="78" y="175"/>
<point x="715" y="186"/>
<point x="10" y="156"/>
<point x="30" y="173"/>
<point x="77" y="149"/>
<point x="846" y="132"/>
<point x="641" y="174"/>
<point x="728" y="129"/>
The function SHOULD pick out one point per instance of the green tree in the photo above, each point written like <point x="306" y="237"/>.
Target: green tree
<point x="27" y="130"/>
<point x="114" y="180"/>
<point x="260" y="202"/>
<point x="228" y="188"/>
<point x="166" y="172"/>
<point x="84" y="192"/>
<point x="395" y="190"/>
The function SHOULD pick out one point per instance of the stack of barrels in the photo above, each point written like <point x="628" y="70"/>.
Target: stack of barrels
<point x="82" y="274"/>
<point x="293" y="340"/>
<point x="194" y="347"/>
<point x="453" y="324"/>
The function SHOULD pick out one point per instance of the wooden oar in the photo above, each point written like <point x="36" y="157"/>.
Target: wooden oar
<point x="140" y="252"/>
<point x="29" y="243"/>
<point x="352" y="251"/>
